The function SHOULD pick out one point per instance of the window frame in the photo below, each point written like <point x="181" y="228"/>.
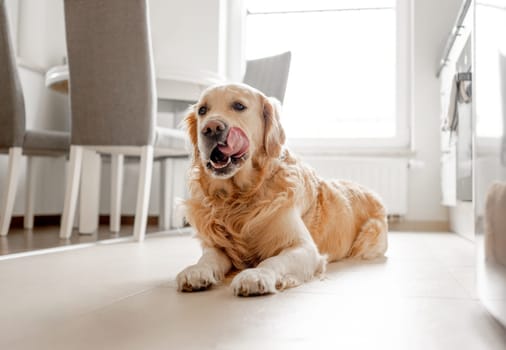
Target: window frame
<point x="402" y="142"/>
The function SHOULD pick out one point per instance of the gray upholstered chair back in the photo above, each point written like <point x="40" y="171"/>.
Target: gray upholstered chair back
<point x="269" y="74"/>
<point x="12" y="108"/>
<point x="112" y="82"/>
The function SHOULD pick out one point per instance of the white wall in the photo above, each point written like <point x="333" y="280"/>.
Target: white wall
<point x="41" y="32"/>
<point x="190" y="35"/>
<point x="12" y="12"/>
<point x="188" y="29"/>
<point x="433" y="20"/>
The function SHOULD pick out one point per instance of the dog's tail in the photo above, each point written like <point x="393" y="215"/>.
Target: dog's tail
<point x="371" y="242"/>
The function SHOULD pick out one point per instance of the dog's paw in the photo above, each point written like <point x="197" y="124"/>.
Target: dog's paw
<point x="196" y="278"/>
<point x="255" y="281"/>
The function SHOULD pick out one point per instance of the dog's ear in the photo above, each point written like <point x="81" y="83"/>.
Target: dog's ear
<point x="274" y="135"/>
<point x="190" y="122"/>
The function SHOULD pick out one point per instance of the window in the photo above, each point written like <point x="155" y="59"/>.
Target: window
<point x="342" y="87"/>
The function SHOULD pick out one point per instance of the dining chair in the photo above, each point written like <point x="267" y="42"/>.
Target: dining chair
<point x="113" y="98"/>
<point x="15" y="140"/>
<point x="269" y="74"/>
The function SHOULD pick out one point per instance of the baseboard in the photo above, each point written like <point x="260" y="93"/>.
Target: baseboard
<point x="38" y="220"/>
<point x="128" y="220"/>
<point x="419" y="226"/>
<point x="394" y="224"/>
<point x="54" y="220"/>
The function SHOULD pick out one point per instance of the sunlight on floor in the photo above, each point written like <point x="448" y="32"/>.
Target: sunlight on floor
<point x="123" y="295"/>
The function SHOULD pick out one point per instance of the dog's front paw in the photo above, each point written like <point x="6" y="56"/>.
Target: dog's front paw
<point x="196" y="278"/>
<point x="255" y="281"/>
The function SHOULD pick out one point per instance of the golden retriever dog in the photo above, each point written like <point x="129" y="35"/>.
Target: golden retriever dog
<point x="258" y="209"/>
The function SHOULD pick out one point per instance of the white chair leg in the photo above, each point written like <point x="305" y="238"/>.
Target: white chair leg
<point x="90" y="192"/>
<point x="117" y="161"/>
<point x="11" y="184"/>
<point x="71" y="191"/>
<point x="141" y="212"/>
<point x="166" y="194"/>
<point x="29" y="193"/>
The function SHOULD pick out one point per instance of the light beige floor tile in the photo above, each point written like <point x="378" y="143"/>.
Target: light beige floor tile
<point x="453" y="251"/>
<point x="50" y="287"/>
<point x="466" y="276"/>
<point x="392" y="277"/>
<point x="123" y="296"/>
<point x="409" y="246"/>
<point x="165" y="319"/>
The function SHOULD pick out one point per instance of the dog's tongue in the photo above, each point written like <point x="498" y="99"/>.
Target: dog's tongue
<point x="237" y="143"/>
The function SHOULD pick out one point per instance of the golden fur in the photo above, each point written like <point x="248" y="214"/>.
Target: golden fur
<point x="243" y="215"/>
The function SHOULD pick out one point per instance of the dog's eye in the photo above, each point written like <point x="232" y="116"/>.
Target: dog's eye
<point x="238" y="106"/>
<point x="202" y="110"/>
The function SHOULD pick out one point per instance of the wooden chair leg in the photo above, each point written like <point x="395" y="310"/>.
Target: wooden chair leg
<point x="117" y="161"/>
<point x="143" y="192"/>
<point x="71" y="191"/>
<point x="11" y="184"/>
<point x="29" y="193"/>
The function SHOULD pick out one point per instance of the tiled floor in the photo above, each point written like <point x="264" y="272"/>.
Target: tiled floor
<point x="123" y="296"/>
<point x="20" y="240"/>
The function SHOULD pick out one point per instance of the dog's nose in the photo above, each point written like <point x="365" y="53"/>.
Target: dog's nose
<point x="214" y="129"/>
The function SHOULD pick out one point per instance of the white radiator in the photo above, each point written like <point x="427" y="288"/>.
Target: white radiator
<point x="387" y="176"/>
